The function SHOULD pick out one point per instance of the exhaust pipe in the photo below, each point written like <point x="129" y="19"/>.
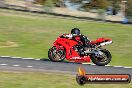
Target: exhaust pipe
<point x="105" y="43"/>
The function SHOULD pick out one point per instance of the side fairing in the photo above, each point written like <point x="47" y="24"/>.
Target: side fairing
<point x="67" y="43"/>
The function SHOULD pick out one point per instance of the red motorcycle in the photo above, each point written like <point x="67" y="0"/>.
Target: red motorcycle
<point x="64" y="48"/>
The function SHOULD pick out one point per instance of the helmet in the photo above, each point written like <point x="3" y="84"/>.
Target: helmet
<point x="75" y="31"/>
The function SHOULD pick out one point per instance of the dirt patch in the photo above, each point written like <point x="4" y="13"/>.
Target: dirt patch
<point x="8" y="44"/>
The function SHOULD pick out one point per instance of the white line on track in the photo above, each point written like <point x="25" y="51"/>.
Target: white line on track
<point x="108" y="65"/>
<point x="118" y="66"/>
<point x="5" y="56"/>
<point x="36" y="59"/>
<point x="15" y="57"/>
<point x="127" y="67"/>
<point x="29" y="66"/>
<point x="15" y="65"/>
<point x="3" y="64"/>
<point x="88" y="63"/>
<point x="27" y="58"/>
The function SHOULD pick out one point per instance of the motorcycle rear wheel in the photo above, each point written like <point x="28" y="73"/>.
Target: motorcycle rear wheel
<point x="56" y="55"/>
<point x="102" y="61"/>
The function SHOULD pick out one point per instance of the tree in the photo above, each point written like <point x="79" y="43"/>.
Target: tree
<point x="40" y="2"/>
<point x="100" y="4"/>
<point x="58" y="3"/>
<point x="129" y="8"/>
<point x="96" y="4"/>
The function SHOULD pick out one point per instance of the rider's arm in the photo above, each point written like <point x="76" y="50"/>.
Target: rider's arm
<point x="86" y="41"/>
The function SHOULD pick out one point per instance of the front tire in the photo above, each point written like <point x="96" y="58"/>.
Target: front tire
<point x="56" y="55"/>
<point x="103" y="60"/>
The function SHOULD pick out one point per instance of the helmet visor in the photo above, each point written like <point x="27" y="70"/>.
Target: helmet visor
<point x="77" y="32"/>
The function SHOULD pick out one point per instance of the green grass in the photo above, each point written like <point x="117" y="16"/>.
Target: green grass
<point x="35" y="35"/>
<point x="47" y="80"/>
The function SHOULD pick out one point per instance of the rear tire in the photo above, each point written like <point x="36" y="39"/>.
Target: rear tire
<point x="97" y="60"/>
<point x="56" y="55"/>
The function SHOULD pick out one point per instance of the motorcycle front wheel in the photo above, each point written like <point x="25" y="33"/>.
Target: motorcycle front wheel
<point x="103" y="60"/>
<point x="56" y="55"/>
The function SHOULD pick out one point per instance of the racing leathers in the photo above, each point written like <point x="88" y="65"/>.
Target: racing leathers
<point x="82" y="40"/>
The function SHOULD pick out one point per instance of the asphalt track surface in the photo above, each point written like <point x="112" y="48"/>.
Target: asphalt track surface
<point x="21" y="64"/>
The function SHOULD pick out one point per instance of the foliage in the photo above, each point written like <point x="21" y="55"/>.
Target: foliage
<point x="40" y="2"/>
<point x="98" y="4"/>
<point x="93" y="4"/>
<point x="50" y="3"/>
<point x="102" y="4"/>
<point x="129" y="8"/>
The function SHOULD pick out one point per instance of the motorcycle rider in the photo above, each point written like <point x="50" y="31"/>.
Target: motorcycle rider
<point x="81" y="39"/>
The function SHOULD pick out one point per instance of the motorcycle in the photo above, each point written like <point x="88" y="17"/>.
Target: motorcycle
<point x="64" y="48"/>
